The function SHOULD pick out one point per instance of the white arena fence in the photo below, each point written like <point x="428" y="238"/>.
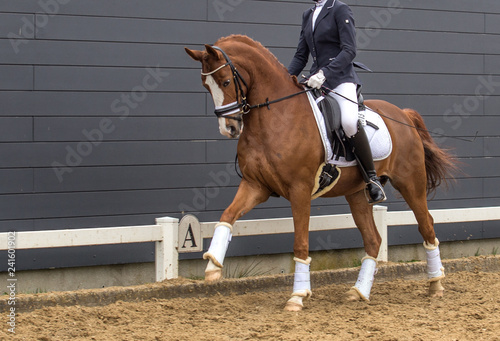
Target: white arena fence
<point x="165" y="233"/>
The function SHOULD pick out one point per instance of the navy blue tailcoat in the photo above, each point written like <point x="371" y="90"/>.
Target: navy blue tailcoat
<point x="332" y="44"/>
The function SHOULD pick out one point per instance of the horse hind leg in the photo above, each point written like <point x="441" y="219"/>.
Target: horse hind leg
<point x="413" y="190"/>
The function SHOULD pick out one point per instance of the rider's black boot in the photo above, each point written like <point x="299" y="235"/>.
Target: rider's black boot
<point x="363" y="153"/>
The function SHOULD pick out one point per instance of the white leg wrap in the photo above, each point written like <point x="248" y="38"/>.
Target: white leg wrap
<point x="366" y="276"/>
<point x="435" y="270"/>
<point x="218" y="246"/>
<point x="301" y="278"/>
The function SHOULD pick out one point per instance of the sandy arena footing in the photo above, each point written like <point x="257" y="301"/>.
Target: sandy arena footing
<point x="184" y="288"/>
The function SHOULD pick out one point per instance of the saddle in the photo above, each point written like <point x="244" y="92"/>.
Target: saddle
<point x="330" y="109"/>
<point x="328" y="174"/>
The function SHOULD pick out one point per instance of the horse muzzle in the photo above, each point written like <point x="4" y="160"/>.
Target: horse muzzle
<point x="230" y="127"/>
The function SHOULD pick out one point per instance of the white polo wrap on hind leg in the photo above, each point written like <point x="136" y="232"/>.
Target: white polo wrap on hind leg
<point x="366" y="276"/>
<point x="220" y="241"/>
<point x="435" y="270"/>
<point x="301" y="277"/>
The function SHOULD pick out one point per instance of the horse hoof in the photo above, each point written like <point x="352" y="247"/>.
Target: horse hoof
<point x="292" y="306"/>
<point x="213" y="275"/>
<point x="294" y="303"/>
<point x="352" y="296"/>
<point x="436" y="290"/>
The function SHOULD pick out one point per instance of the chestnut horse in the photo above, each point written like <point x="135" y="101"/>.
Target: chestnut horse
<point x="280" y="151"/>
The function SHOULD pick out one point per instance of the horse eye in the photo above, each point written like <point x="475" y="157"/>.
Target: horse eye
<point x="226" y="83"/>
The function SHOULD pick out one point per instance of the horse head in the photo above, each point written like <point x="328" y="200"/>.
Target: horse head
<point x="224" y="82"/>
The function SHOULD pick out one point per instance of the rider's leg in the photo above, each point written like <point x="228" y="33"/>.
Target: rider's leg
<point x="357" y="137"/>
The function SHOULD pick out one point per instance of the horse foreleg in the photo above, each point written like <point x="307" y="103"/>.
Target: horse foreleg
<point x="362" y="213"/>
<point x="301" y="210"/>
<point x="217" y="251"/>
<point x="246" y="198"/>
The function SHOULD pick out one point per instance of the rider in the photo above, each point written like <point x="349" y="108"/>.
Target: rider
<point x="329" y="35"/>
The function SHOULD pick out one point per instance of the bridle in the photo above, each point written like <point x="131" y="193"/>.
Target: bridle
<point x="241" y="106"/>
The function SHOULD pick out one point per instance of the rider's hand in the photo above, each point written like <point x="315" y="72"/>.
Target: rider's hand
<point x="316" y="80"/>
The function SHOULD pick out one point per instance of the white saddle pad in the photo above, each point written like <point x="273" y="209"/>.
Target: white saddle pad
<point x="380" y="139"/>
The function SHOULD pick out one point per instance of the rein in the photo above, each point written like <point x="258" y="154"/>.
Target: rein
<point x="242" y="106"/>
<point x="267" y="103"/>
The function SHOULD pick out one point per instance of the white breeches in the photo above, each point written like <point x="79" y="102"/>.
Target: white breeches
<point x="348" y="108"/>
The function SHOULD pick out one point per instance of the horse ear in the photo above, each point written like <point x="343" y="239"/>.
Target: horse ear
<point x="211" y="51"/>
<point x="195" y="54"/>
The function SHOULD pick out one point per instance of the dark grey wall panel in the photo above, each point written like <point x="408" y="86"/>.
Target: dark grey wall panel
<point x="86" y="67"/>
<point x="221" y="151"/>
<point x="82" y="256"/>
<point x="14" y="129"/>
<point x="160" y="31"/>
<point x="455" y="125"/>
<point x="400" y="83"/>
<point x="491" y="187"/>
<point x="83" y="53"/>
<point x="492" y="146"/>
<point x="140" y="81"/>
<point x="481" y="167"/>
<point x="16" y="77"/>
<point x="41" y="206"/>
<point x="492" y="44"/>
<point x="63" y="103"/>
<point x="172" y="9"/>
<point x="488" y="6"/>
<point x="137" y="177"/>
<point x="416" y="62"/>
<point x="422" y="41"/>
<point x="492" y="66"/>
<point x="405" y="19"/>
<point x="104" y="154"/>
<point x="249" y="11"/>
<point x="16" y="181"/>
<point x="428" y="105"/>
<point x="126" y="129"/>
<point x="16" y="26"/>
<point x="492" y="24"/>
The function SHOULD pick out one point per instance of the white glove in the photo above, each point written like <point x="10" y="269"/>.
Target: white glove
<point x="316" y="80"/>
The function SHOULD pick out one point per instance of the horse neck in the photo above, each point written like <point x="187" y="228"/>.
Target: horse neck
<point x="266" y="79"/>
<point x="274" y="124"/>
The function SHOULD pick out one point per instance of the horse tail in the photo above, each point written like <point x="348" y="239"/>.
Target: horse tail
<point x="439" y="164"/>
